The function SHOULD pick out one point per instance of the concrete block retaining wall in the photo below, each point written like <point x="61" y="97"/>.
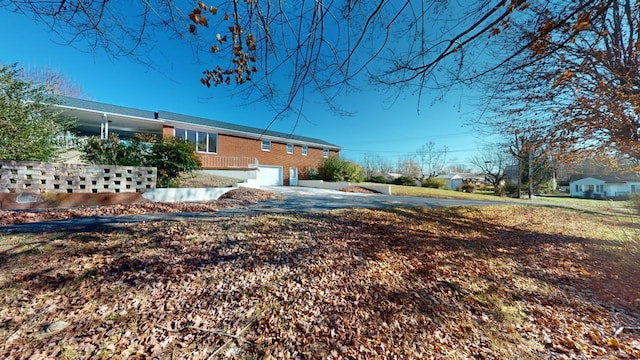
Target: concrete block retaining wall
<point x="17" y="177"/>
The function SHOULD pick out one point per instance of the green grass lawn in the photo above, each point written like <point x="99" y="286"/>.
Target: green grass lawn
<point x="559" y="200"/>
<point x="441" y="193"/>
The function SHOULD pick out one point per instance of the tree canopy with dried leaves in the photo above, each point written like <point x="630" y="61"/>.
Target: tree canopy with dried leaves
<point x="578" y="83"/>
<point x="571" y="65"/>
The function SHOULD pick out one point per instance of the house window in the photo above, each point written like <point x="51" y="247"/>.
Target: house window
<point x="266" y="145"/>
<point x="577" y="188"/>
<point x="212" y="141"/>
<point x="325" y="153"/>
<point x="203" y="141"/>
<point x="634" y="188"/>
<point x="179" y="133"/>
<point x="191" y="136"/>
<point x="289" y="148"/>
<point x="305" y="150"/>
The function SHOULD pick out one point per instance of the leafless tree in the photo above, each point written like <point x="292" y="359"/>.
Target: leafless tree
<point x="407" y="166"/>
<point x="376" y="165"/>
<point x="492" y="161"/>
<point x="54" y="81"/>
<point x="455" y="167"/>
<point x="431" y="160"/>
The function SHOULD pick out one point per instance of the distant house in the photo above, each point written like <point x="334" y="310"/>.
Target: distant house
<point x="392" y="176"/>
<point x="603" y="186"/>
<point x="456" y="180"/>
<point x="452" y="181"/>
<point x="252" y="154"/>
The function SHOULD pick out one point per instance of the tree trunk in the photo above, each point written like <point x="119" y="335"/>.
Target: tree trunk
<point x="530" y="173"/>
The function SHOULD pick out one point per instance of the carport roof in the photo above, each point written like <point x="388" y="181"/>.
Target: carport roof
<point x="75" y="103"/>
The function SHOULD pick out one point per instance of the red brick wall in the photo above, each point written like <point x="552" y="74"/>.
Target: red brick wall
<point x="237" y="146"/>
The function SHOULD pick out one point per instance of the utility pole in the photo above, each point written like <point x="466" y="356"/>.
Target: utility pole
<point x="519" y="167"/>
<point x="366" y="166"/>
<point x="516" y="151"/>
<point x="530" y="172"/>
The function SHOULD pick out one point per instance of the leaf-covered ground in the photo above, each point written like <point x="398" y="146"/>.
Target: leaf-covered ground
<point x="358" y="189"/>
<point x="486" y="283"/>
<point x="200" y="180"/>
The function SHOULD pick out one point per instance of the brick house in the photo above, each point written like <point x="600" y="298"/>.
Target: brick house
<point x="247" y="153"/>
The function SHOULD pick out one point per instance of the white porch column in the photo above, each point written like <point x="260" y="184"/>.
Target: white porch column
<point x="105" y="121"/>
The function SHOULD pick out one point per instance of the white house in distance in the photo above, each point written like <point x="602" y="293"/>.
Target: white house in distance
<point x="603" y="186"/>
<point x="455" y="181"/>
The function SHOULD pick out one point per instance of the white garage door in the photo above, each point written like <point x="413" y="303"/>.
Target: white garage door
<point x="270" y="175"/>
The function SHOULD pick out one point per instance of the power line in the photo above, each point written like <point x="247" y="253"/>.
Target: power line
<point x="412" y="138"/>
<point x="401" y="152"/>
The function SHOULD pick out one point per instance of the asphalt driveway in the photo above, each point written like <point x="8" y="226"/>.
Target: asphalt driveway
<point x="301" y="199"/>
<point x="295" y="200"/>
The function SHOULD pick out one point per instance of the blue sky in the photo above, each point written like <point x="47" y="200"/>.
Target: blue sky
<point x="377" y="126"/>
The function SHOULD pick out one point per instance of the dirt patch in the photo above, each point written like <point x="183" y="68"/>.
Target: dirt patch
<point x="358" y="189"/>
<point x="234" y="198"/>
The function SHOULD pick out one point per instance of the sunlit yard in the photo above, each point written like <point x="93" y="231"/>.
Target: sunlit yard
<point x="496" y="282"/>
<point x="561" y="200"/>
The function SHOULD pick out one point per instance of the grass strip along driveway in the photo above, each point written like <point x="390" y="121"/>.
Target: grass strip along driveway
<point x="507" y="281"/>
